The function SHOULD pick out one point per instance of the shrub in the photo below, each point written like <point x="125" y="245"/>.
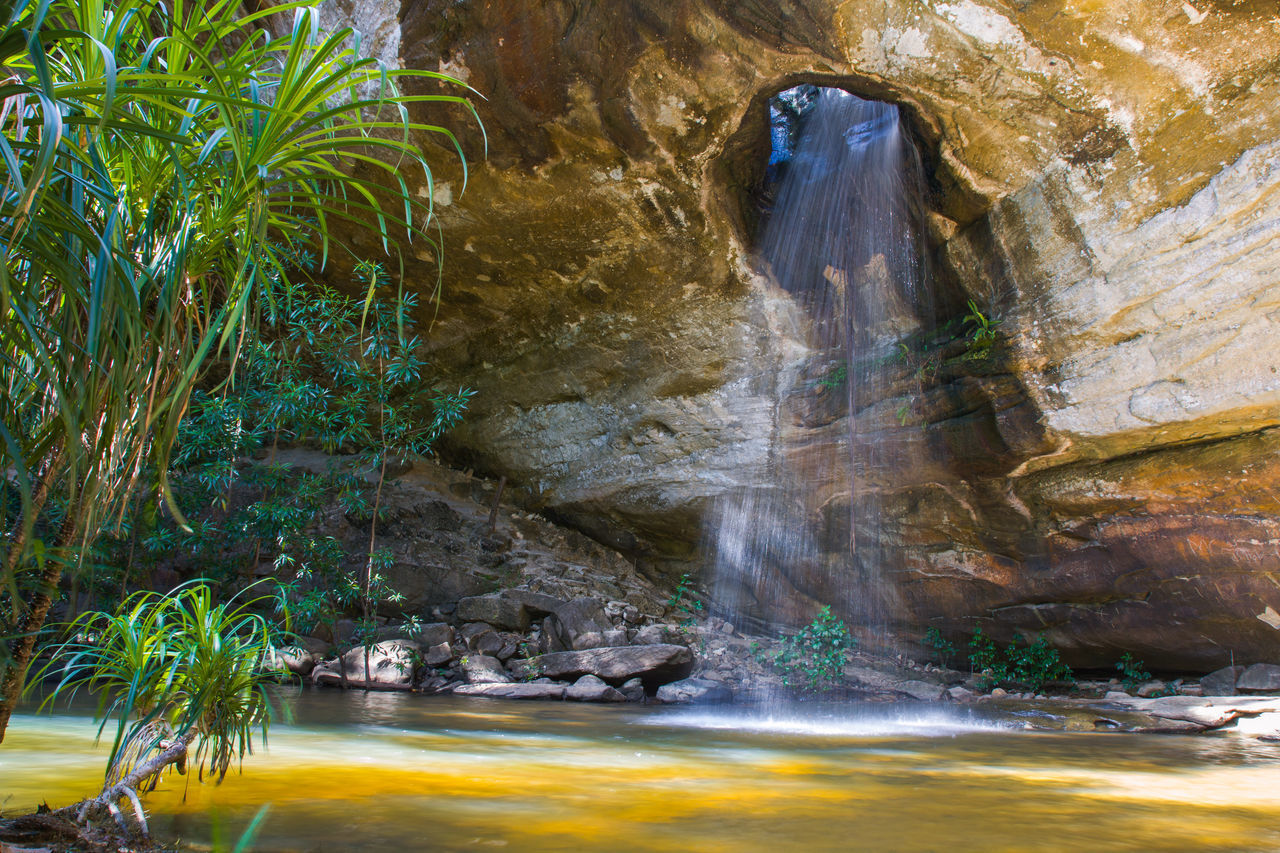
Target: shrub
<point x="1031" y="664"/>
<point x="151" y="150"/>
<point x="1132" y="673"/>
<point x="814" y="658"/>
<point x="945" y="648"/>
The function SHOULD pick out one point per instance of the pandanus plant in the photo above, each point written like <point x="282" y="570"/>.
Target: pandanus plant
<point x="182" y="675"/>
<point x="154" y="153"/>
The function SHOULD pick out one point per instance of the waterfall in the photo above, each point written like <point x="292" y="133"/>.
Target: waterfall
<point x="841" y="236"/>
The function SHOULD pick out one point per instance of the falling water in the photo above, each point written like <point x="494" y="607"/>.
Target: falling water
<point x="842" y="238"/>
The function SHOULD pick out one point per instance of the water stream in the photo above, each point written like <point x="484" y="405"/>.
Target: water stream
<point x="393" y="772"/>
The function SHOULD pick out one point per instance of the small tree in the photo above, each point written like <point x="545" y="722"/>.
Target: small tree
<point x="176" y="672"/>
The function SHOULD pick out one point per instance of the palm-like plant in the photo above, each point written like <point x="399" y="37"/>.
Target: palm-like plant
<point x="150" y="151"/>
<point x="176" y="671"/>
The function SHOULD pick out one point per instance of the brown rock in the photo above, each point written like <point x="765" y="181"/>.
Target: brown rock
<point x="588" y="688"/>
<point x="653" y="665"/>
<point x="496" y="610"/>
<point x="386" y="666"/>
<point x="1260" y="678"/>
<point x="1221" y="682"/>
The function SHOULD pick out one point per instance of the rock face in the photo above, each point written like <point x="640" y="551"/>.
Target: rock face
<point x="1104" y="182"/>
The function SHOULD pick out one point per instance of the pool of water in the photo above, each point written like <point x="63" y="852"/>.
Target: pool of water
<point x="393" y="772"/>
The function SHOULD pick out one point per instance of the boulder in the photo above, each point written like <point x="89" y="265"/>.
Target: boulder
<point x="496" y="610"/>
<point x="694" y="691"/>
<point x="470" y="631"/>
<point x="632" y="690"/>
<point x="538" y="605"/>
<point x="653" y="665"/>
<point x="434" y="633"/>
<point x="494" y="690"/>
<point x="438" y="655"/>
<point x="294" y="659"/>
<point x="575" y="618"/>
<point x="388" y="665"/>
<point x="489" y="643"/>
<point x="1260" y="678"/>
<point x="589" y="688"/>
<point x="483" y="669"/>
<point x="591" y="640"/>
<point x="925" y="691"/>
<point x="1221" y="682"/>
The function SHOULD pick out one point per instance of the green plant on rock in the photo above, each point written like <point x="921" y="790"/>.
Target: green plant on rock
<point x="981" y="334"/>
<point x="814" y="657"/>
<point x="1132" y="673"/>
<point x="1032" y="664"/>
<point x="182" y="675"/>
<point x="834" y="378"/>
<point x="685" y="603"/>
<point x="945" y="648"/>
<point x="688" y="608"/>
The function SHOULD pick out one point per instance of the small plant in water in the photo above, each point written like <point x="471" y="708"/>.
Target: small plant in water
<point x="1132" y="673"/>
<point x="814" y="657"/>
<point x="182" y="675"/>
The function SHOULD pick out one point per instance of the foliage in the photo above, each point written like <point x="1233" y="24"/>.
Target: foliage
<point x="177" y="666"/>
<point x="683" y="600"/>
<point x="1132" y="673"/>
<point x="981" y="332"/>
<point x="1031" y="664"/>
<point x="687" y="606"/>
<point x="945" y="648"/>
<point x="834" y="378"/>
<point x="151" y="150"/>
<point x="814" y="657"/>
<point x="326" y="369"/>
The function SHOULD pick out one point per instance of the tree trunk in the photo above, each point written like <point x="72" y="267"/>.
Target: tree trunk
<point x="24" y="644"/>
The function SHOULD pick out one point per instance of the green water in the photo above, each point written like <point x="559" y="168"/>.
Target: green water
<point x="391" y="772"/>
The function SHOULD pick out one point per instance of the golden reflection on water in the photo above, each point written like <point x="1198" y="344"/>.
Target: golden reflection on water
<point x="414" y="773"/>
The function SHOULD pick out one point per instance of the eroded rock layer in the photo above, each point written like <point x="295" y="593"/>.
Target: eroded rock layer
<point x="1103" y="181"/>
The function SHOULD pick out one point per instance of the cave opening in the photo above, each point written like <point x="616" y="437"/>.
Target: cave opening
<point x="759" y="154"/>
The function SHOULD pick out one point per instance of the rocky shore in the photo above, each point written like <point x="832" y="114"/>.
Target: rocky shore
<point x="504" y="604"/>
